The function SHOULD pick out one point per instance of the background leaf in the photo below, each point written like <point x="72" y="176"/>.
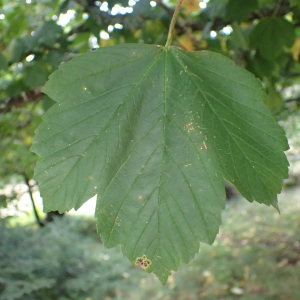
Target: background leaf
<point x="3" y="62"/>
<point x="240" y="10"/>
<point x="35" y="76"/>
<point x="271" y="35"/>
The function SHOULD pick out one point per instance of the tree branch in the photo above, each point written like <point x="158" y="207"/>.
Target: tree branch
<point x="41" y="224"/>
<point x="21" y="100"/>
<point x="164" y="7"/>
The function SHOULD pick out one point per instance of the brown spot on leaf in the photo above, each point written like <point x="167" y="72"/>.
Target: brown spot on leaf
<point x="143" y="262"/>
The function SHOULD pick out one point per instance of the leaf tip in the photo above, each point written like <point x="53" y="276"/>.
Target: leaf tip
<point x="275" y="205"/>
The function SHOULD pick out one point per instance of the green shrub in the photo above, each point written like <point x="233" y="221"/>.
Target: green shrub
<point x="64" y="260"/>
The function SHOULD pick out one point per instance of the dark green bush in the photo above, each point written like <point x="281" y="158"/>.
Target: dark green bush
<point x="63" y="260"/>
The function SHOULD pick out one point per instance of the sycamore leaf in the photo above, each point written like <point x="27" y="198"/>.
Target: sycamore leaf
<point x="262" y="67"/>
<point x="274" y="100"/>
<point x="15" y="50"/>
<point x="240" y="10"/>
<point x="153" y="131"/>
<point x="47" y="34"/>
<point x="271" y="35"/>
<point x="35" y="75"/>
<point x="214" y="9"/>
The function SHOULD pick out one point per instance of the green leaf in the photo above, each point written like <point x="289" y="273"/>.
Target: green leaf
<point x="17" y="25"/>
<point x="47" y="102"/>
<point x="16" y="87"/>
<point x="47" y="34"/>
<point x="3" y="201"/>
<point x="153" y="131"/>
<point x="238" y="37"/>
<point x="81" y="42"/>
<point x="64" y="7"/>
<point x="54" y="58"/>
<point x="35" y="76"/>
<point x="15" y="50"/>
<point x="3" y="62"/>
<point x="154" y="32"/>
<point x="274" y="100"/>
<point x="214" y="9"/>
<point x="261" y="67"/>
<point x="240" y="10"/>
<point x="271" y="35"/>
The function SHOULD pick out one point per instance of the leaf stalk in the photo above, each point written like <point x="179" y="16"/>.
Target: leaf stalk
<point x="172" y="24"/>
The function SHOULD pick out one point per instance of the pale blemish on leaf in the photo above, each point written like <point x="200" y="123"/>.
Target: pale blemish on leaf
<point x="190" y="127"/>
<point x="203" y="147"/>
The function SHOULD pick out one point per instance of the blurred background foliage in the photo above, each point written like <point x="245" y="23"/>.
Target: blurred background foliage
<point x="256" y="256"/>
<point x="65" y="259"/>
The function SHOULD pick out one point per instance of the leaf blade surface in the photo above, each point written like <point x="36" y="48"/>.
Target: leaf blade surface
<point x="153" y="132"/>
